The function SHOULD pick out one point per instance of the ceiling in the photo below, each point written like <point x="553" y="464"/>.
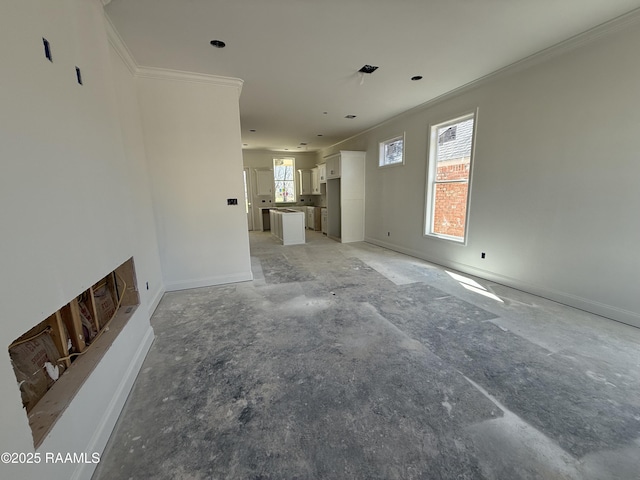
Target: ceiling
<point x="299" y="59"/>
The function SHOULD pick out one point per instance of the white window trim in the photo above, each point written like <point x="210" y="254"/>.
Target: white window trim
<point x="390" y="140"/>
<point x="431" y="172"/>
<point x="295" y="187"/>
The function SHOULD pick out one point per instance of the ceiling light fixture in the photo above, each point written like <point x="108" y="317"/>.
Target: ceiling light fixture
<point x="417" y="77"/>
<point x="218" y="43"/>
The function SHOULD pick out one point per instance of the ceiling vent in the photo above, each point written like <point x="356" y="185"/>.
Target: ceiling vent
<point x="368" y="69"/>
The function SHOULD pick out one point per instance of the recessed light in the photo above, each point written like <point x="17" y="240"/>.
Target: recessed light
<point x="218" y="43"/>
<point x="350" y="116"/>
<point x="324" y="113"/>
<point x="417" y="77"/>
<point x="319" y="134"/>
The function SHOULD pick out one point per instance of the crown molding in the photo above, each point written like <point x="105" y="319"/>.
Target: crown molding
<point x="119" y="46"/>
<point x="179" y="75"/>
<point x="607" y="28"/>
<point x="566" y="46"/>
<point x="163" y="73"/>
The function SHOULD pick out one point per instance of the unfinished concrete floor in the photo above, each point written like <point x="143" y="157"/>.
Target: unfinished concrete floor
<point x="355" y="362"/>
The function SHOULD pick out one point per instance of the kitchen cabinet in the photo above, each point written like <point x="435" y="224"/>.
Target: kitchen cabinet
<point x="313" y="218"/>
<point x="300" y="209"/>
<point x="345" y="196"/>
<point x="264" y="183"/>
<point x="287" y="225"/>
<point x="315" y="181"/>
<point x="305" y="186"/>
<point x="332" y="166"/>
<point x="322" y="172"/>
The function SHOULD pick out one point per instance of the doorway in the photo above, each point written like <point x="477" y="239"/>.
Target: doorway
<point x="247" y="198"/>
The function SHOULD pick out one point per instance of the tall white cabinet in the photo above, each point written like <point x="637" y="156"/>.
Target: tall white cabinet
<point x="345" y="196"/>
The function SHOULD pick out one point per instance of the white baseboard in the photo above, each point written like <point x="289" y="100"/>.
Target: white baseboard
<point x="155" y="301"/>
<point x="602" y="309"/>
<point x="209" y="281"/>
<point x="101" y="436"/>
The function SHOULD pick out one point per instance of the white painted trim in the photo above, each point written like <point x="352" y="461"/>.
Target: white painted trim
<point x="209" y="281"/>
<point x="167" y="74"/>
<point x="99" y="440"/>
<point x="597" y="308"/>
<point x="119" y="46"/>
<point x="577" y="41"/>
<point x="155" y="301"/>
<point x="431" y="173"/>
<point x="163" y="73"/>
<point x="381" y="145"/>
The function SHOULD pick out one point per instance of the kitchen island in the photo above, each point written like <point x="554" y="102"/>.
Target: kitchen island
<point x="287" y="225"/>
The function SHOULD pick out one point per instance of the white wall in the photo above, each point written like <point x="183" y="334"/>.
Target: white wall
<point x="75" y="204"/>
<point x="147" y="258"/>
<point x="263" y="160"/>
<point x="554" y="195"/>
<point x="191" y="127"/>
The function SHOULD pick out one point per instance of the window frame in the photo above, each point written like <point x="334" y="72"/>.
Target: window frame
<point x="384" y="143"/>
<point x="431" y="181"/>
<point x="293" y="181"/>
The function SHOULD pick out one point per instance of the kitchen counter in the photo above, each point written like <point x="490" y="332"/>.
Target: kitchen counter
<point x="287" y="225"/>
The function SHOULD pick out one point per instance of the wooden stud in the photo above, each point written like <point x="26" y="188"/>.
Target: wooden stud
<point x="59" y="335"/>
<point x="91" y="305"/>
<point x="71" y="317"/>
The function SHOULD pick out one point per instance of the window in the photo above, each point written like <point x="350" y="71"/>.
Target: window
<point x="392" y="151"/>
<point x="450" y="155"/>
<point x="284" y="180"/>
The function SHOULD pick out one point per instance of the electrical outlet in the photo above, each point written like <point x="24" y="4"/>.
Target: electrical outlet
<point x="147" y="285"/>
<point x="482" y="255"/>
<point x="388" y="234"/>
<point x="232" y="201"/>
